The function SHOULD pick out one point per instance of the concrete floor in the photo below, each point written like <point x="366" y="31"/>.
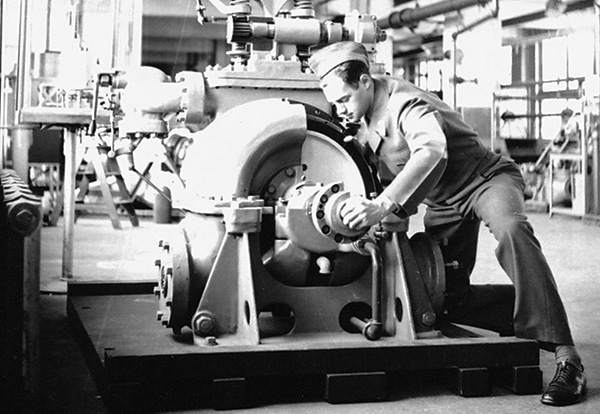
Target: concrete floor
<point x="101" y="253"/>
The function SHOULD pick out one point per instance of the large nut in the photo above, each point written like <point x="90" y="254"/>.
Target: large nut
<point x="204" y="324"/>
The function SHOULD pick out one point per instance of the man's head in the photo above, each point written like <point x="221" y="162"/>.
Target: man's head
<point x="566" y="114"/>
<point x="343" y="68"/>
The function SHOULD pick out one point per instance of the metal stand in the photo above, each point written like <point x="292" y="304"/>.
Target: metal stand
<point x="104" y="166"/>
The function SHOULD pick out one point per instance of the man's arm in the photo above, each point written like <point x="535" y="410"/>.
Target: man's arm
<point x="422" y="128"/>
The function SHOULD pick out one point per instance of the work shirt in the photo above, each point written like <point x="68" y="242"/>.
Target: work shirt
<point x="426" y="146"/>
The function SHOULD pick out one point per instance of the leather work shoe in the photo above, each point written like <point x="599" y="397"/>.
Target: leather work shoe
<point x="567" y="387"/>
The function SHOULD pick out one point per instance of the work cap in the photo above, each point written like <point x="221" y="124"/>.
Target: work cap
<point x="325" y="60"/>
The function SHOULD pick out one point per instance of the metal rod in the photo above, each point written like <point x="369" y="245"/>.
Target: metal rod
<point x="372" y="328"/>
<point x="22" y="56"/>
<point x="376" y="265"/>
<point x="454" y="70"/>
<point x="596" y="141"/>
<point x="516" y="116"/>
<point x="540" y="82"/>
<point x="70" y="153"/>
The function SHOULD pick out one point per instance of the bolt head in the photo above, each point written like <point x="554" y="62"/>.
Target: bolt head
<point x="204" y="325"/>
<point x="428" y="318"/>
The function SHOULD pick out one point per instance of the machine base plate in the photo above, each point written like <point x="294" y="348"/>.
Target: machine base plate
<point x="139" y="364"/>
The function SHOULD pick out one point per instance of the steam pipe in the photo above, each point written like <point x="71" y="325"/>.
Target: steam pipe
<point x="407" y="17"/>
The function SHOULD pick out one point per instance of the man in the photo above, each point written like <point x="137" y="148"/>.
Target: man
<point x="569" y="133"/>
<point x="435" y="158"/>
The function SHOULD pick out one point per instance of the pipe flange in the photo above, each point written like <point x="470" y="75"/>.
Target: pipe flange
<point x="325" y="212"/>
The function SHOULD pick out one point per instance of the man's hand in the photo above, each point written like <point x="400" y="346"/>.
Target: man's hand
<point x="359" y="212"/>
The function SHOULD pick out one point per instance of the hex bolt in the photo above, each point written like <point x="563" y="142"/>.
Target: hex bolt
<point x="290" y="172"/>
<point x="204" y="324"/>
<point x="428" y="318"/>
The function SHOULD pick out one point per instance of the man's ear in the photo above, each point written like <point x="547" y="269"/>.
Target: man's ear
<point x="365" y="80"/>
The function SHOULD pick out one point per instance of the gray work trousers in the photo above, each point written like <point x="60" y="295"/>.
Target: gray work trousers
<point x="531" y="307"/>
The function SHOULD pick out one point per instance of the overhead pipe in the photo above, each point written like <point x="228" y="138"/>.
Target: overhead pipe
<point x="531" y="17"/>
<point x="406" y="17"/>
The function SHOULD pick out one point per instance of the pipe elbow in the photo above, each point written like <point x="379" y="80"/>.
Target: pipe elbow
<point x="373" y="330"/>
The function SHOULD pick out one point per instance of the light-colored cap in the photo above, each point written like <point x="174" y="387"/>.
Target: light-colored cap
<point x="328" y="58"/>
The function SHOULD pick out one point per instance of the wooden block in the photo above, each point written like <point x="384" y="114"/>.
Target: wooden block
<point x="356" y="387"/>
<point x="522" y="380"/>
<point x="471" y="382"/>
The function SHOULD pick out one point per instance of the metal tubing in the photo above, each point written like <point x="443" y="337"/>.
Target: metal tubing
<point x="372" y="328"/>
<point x="69" y="149"/>
<point x="376" y="272"/>
<point x="22" y="56"/>
<point x="596" y="141"/>
<point x="22" y="137"/>
<point x="406" y="17"/>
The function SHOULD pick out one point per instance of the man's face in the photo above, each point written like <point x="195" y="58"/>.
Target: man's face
<point x="350" y="103"/>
